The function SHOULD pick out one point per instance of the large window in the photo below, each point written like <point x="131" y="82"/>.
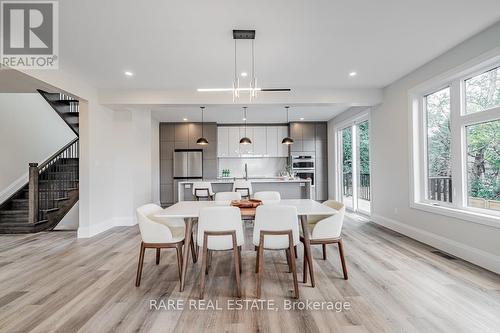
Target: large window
<point x="437" y="105"/>
<point x="456" y="144"/>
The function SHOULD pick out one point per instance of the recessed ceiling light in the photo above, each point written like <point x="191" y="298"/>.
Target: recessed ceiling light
<point x="353" y="74"/>
<point x="244" y="119"/>
<point x="244" y="74"/>
<point x="185" y="119"/>
<point x="128" y="73"/>
<point x="301" y="118"/>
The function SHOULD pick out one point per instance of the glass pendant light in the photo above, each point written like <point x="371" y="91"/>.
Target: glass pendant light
<point x="202" y="141"/>
<point x="288" y="140"/>
<point x="245" y="140"/>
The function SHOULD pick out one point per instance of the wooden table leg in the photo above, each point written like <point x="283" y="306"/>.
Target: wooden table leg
<point x="307" y="248"/>
<point x="187" y="246"/>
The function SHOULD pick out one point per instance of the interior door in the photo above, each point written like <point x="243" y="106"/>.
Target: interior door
<point x="347" y="167"/>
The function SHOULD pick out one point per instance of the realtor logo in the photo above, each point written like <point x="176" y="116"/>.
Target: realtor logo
<point x="29" y="33"/>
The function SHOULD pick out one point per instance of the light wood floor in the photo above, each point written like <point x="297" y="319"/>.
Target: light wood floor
<point x="54" y="282"/>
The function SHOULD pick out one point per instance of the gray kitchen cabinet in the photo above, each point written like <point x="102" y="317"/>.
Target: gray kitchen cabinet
<point x="308" y="145"/>
<point x="166" y="171"/>
<point x="210" y="169"/>
<point x="321" y="149"/>
<point x="308" y="131"/>
<point x="194" y="133"/>
<point x="166" y="132"/>
<point x="296" y="131"/>
<point x="321" y="132"/>
<point x="272" y="141"/>
<point x="297" y="145"/>
<point x="222" y="142"/>
<point x="181" y="132"/>
<point x="167" y="150"/>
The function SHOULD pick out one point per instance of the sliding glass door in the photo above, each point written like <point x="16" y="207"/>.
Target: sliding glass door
<point x="363" y="171"/>
<point x="347" y="198"/>
<point x="354" y="179"/>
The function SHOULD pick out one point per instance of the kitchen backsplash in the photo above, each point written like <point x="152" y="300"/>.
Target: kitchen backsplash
<point x="257" y="167"/>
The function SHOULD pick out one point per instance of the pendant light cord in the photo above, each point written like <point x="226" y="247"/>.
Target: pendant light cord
<point x="202" y="132"/>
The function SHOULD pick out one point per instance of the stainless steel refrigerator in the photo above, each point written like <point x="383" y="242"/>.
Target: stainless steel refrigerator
<point x="188" y="164"/>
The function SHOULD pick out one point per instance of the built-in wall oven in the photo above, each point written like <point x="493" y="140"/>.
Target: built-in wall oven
<point x="303" y="164"/>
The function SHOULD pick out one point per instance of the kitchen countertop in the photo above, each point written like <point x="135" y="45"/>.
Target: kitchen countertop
<point x="255" y="180"/>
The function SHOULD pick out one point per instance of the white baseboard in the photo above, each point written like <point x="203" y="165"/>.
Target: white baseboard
<point x="474" y="255"/>
<point x="93" y="230"/>
<point x="12" y="188"/>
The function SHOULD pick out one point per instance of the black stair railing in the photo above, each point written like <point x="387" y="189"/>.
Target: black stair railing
<point x="50" y="181"/>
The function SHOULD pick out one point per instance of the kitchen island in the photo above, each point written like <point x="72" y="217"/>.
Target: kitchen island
<point x="289" y="189"/>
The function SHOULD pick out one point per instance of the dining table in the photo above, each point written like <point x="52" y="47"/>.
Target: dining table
<point x="190" y="210"/>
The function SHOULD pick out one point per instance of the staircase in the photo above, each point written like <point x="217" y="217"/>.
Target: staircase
<point x="52" y="189"/>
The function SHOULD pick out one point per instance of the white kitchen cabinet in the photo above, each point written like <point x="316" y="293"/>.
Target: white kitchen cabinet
<point x="259" y="141"/>
<point x="272" y="141"/>
<point x="233" y="141"/>
<point x="282" y="149"/>
<point x="266" y="141"/>
<point x="222" y="142"/>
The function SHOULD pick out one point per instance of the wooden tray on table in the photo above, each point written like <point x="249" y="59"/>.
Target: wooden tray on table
<point x="247" y="207"/>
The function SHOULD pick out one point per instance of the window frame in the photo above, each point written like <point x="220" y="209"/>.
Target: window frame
<point x="459" y="120"/>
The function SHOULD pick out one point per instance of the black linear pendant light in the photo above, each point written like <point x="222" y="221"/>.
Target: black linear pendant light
<point x="288" y="140"/>
<point x="245" y="140"/>
<point x="202" y="141"/>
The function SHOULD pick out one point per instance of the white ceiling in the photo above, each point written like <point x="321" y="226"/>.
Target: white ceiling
<point x="255" y="113"/>
<point x="178" y="46"/>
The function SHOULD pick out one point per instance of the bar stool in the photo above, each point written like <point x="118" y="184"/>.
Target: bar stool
<point x="244" y="187"/>
<point x="276" y="228"/>
<point x="327" y="230"/>
<point x="220" y="229"/>
<point x="203" y="190"/>
<point x="227" y="196"/>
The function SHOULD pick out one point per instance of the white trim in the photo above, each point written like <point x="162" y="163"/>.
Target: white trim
<point x="455" y="79"/>
<point x="474" y="255"/>
<point x="95" y="229"/>
<point x="461" y="214"/>
<point x="13" y="187"/>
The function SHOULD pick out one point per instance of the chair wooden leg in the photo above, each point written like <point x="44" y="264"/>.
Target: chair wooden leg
<point x="193" y="250"/>
<point x="237" y="266"/>
<point x="158" y="256"/>
<point x="295" y="249"/>
<point x="139" y="266"/>
<point x="178" y="249"/>
<point x="342" y="259"/>
<point x="239" y="256"/>
<point x="260" y="265"/>
<point x="204" y="260"/>
<point x="257" y="260"/>
<point x="304" y="270"/>
<point x="288" y="260"/>
<point x="324" y="251"/>
<point x="293" y="268"/>
<point x="209" y="261"/>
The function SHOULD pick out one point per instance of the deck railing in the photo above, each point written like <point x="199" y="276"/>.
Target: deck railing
<point x="439" y="189"/>
<point x="364" y="188"/>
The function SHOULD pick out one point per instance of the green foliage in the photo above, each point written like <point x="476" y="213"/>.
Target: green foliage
<point x="364" y="148"/>
<point x="483" y="140"/>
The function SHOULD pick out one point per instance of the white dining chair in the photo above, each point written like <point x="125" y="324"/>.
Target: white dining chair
<point x="326" y="230"/>
<point x="227" y="196"/>
<point x="159" y="234"/>
<point x="244" y="187"/>
<point x="220" y="229"/>
<point x="267" y="196"/>
<point x="203" y="190"/>
<point x="276" y="228"/>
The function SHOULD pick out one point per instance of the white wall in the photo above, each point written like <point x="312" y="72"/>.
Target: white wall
<point x="391" y="161"/>
<point x="30" y="131"/>
<point x="115" y="157"/>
